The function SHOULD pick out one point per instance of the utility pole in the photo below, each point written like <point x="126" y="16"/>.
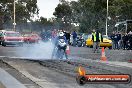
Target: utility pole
<point x="126" y="27"/>
<point x="14" y="23"/>
<point x="107" y="18"/>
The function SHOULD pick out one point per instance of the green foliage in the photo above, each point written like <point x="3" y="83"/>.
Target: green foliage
<point x="63" y="14"/>
<point x="44" y="21"/>
<point x="25" y="9"/>
<point x="91" y="14"/>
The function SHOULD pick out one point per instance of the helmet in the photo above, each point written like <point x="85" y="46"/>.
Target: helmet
<point x="61" y="34"/>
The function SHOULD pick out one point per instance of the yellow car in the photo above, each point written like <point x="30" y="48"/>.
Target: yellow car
<point x="107" y="42"/>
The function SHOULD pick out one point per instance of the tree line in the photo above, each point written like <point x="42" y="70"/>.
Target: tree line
<point x="81" y="15"/>
<point x="91" y="14"/>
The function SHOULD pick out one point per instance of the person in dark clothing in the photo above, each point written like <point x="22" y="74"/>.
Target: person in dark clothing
<point x="67" y="35"/>
<point x="125" y="39"/>
<point x="74" y="38"/>
<point x="116" y="42"/>
<point x="118" y="36"/>
<point x="130" y="42"/>
<point x="119" y="40"/>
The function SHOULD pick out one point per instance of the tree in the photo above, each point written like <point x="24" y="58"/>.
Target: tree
<point x="92" y="13"/>
<point x="45" y="21"/>
<point x="63" y="14"/>
<point x="25" y="10"/>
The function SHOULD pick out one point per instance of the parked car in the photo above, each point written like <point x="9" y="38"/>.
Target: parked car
<point x="31" y="38"/>
<point x="107" y="42"/>
<point x="10" y="38"/>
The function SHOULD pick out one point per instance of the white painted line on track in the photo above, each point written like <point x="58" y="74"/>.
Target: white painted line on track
<point x="8" y="81"/>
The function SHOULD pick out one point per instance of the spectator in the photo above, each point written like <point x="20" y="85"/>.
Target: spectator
<point x="74" y="34"/>
<point x="113" y="38"/>
<point x="125" y="39"/>
<point x="119" y="40"/>
<point x="54" y="35"/>
<point x="67" y="35"/>
<point x="116" y="41"/>
<point x="129" y="41"/>
<point x="96" y="38"/>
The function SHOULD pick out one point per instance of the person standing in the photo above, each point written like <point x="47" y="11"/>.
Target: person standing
<point x="112" y="38"/>
<point x="96" y="38"/>
<point x="129" y="41"/>
<point x="67" y="35"/>
<point x="74" y="34"/>
<point x="53" y="35"/>
<point x="125" y="39"/>
<point x="116" y="41"/>
<point x="119" y="40"/>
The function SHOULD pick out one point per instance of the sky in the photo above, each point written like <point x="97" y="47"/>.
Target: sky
<point x="47" y="7"/>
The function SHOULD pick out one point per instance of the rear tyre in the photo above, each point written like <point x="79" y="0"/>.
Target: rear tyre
<point x="3" y="44"/>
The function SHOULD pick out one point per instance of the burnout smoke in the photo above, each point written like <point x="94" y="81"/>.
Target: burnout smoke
<point x="42" y="50"/>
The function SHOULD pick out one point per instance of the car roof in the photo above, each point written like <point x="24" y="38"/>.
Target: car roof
<point x="11" y="32"/>
<point x="4" y="31"/>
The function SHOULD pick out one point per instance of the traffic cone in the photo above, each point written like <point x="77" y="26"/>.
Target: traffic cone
<point x="68" y="50"/>
<point x="103" y="57"/>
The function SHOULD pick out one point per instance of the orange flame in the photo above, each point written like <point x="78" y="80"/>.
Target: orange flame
<point x="81" y="71"/>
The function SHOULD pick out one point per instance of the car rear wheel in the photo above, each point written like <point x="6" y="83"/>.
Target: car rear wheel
<point x="3" y="44"/>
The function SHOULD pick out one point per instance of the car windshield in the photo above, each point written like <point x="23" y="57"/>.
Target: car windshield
<point x="26" y="35"/>
<point x="12" y="34"/>
<point x="104" y="36"/>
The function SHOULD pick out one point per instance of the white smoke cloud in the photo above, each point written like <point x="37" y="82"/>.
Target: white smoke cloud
<point x="43" y="50"/>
